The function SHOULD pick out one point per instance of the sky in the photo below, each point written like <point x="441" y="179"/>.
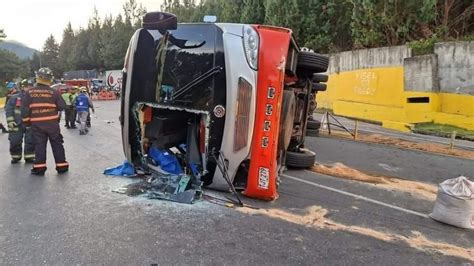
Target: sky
<point x="32" y="21"/>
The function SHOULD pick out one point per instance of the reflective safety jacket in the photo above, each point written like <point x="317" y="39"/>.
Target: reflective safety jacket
<point x="13" y="109"/>
<point x="67" y="98"/>
<point x="41" y="104"/>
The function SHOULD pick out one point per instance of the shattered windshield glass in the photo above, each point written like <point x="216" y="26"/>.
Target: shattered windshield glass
<point x="181" y="57"/>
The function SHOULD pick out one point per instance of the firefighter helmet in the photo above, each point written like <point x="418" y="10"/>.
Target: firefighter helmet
<point x="26" y="83"/>
<point x="44" y="76"/>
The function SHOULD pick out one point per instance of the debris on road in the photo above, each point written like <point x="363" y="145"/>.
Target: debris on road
<point x="180" y="188"/>
<point x="315" y="217"/>
<point x="455" y="203"/>
<point x="417" y="189"/>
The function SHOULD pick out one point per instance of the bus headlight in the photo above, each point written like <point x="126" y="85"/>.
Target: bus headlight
<point x="251" y="45"/>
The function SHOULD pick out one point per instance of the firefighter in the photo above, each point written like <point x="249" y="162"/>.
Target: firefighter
<point x="11" y="86"/>
<point x="39" y="109"/>
<point x="17" y="130"/>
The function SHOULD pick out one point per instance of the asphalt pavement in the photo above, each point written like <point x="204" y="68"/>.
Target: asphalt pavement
<point x="76" y="218"/>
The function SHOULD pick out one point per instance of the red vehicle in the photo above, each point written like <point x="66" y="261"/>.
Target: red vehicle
<point x="236" y="96"/>
<point x="79" y="83"/>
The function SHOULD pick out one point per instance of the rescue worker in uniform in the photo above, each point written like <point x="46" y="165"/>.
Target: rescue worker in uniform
<point x="17" y="130"/>
<point x="68" y="111"/>
<point x="83" y="104"/>
<point x="72" y="98"/>
<point x="11" y="86"/>
<point x="40" y="108"/>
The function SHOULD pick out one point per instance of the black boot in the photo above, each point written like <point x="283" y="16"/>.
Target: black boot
<point x="62" y="169"/>
<point x="14" y="161"/>
<point x="38" y="171"/>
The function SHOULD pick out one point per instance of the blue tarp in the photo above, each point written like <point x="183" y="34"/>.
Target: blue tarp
<point x="126" y="169"/>
<point x="165" y="160"/>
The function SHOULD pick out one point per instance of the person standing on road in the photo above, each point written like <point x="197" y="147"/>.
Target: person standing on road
<point x="72" y="99"/>
<point x="11" y="87"/>
<point x="83" y="103"/>
<point x="18" y="131"/>
<point x="68" y="111"/>
<point x="39" y="109"/>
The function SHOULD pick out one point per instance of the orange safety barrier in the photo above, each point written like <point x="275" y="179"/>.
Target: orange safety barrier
<point x="106" y="95"/>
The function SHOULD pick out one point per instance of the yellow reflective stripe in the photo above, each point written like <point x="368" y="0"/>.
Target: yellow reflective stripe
<point x="39" y="165"/>
<point x="10" y="118"/>
<point x="62" y="164"/>
<point x="39" y="105"/>
<point x="29" y="156"/>
<point x="17" y="111"/>
<point x="16" y="156"/>
<point x="26" y="119"/>
<point x="13" y="129"/>
<point x="45" y="118"/>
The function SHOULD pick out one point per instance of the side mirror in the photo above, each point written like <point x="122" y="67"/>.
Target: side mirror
<point x="161" y="21"/>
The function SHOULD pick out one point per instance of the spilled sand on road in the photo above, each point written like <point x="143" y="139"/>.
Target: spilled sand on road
<point x="411" y="145"/>
<point x="417" y="189"/>
<point x="315" y="217"/>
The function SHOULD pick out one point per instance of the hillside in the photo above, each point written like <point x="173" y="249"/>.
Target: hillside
<point x="19" y="49"/>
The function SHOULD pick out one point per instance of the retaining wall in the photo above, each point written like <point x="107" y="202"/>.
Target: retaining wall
<point x="390" y="86"/>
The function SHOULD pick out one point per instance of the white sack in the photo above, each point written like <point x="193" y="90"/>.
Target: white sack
<point x="455" y="203"/>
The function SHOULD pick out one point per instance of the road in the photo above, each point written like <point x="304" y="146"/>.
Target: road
<point x="77" y="219"/>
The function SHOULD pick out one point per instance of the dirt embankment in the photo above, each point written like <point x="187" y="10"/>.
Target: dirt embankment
<point x="411" y="145"/>
<point x="315" y="217"/>
<point x="417" y="189"/>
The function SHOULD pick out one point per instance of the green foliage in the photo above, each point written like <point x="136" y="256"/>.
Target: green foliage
<point x="424" y="46"/>
<point x="322" y="25"/>
<point x="2" y="35"/>
<point x="10" y="66"/>
<point x="49" y="55"/>
<point x="253" y="12"/>
<point x="443" y="131"/>
<point x="3" y="91"/>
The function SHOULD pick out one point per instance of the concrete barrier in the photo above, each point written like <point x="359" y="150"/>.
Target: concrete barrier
<point x="387" y="85"/>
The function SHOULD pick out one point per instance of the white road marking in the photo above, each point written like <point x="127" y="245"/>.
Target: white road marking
<point x="389" y="168"/>
<point x="360" y="197"/>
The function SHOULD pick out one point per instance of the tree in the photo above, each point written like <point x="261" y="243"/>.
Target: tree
<point x="283" y="13"/>
<point x="94" y="41"/>
<point x="34" y="63"/>
<point x="230" y="10"/>
<point x="10" y="66"/>
<point x="253" y="12"/>
<point x="50" y="54"/>
<point x="66" y="48"/>
<point x="133" y="13"/>
<point x="115" y="47"/>
<point x="2" y="35"/>
<point x="80" y="54"/>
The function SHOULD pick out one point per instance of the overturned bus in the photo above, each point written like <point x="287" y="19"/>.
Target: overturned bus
<point x="229" y="101"/>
